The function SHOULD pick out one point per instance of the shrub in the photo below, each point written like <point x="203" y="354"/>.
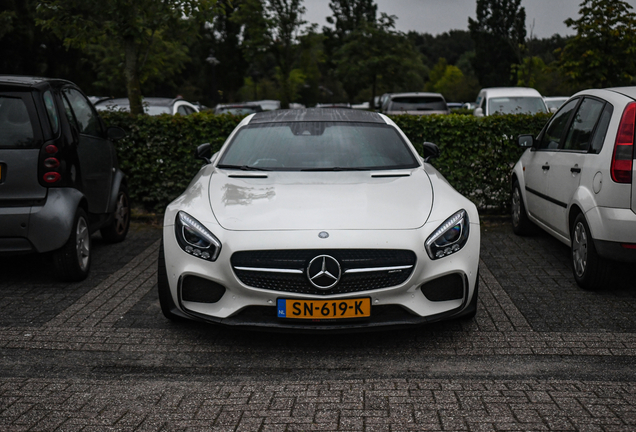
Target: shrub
<point x="477" y="154"/>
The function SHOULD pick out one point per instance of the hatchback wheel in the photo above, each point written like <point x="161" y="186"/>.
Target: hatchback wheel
<point x="590" y="269"/>
<point x="73" y="261"/>
<point x="521" y="225"/>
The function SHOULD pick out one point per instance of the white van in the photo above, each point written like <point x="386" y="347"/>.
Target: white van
<point x="509" y="100"/>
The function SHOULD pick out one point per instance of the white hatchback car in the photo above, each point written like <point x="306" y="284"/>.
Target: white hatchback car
<point x="319" y="219"/>
<point x="576" y="181"/>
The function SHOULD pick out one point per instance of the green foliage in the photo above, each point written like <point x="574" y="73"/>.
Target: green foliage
<point x="499" y="33"/>
<point x="603" y="51"/>
<point x="477" y="154"/>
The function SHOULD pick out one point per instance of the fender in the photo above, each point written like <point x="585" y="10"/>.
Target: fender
<point x="50" y="225"/>
<point x="583" y="198"/>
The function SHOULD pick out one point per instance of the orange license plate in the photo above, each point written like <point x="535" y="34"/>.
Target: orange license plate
<point x="324" y="309"/>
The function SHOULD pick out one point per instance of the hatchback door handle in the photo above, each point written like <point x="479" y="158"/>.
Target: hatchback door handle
<point x="546" y="167"/>
<point x="575" y="170"/>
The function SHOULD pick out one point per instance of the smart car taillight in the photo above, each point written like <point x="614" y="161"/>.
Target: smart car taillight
<point x="622" y="159"/>
<point x="51" y="163"/>
<point x="52" y="177"/>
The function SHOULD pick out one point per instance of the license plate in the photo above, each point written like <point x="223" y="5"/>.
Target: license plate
<point x="324" y="309"/>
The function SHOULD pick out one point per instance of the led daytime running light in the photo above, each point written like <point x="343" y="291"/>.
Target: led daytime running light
<point x="437" y="251"/>
<point x="210" y="252"/>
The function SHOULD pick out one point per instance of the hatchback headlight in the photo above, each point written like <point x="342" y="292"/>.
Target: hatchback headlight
<point x="449" y="237"/>
<point x="196" y="239"/>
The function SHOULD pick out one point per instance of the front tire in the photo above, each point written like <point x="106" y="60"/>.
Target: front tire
<point x="163" y="287"/>
<point x="73" y="261"/>
<point x="521" y="225"/>
<point x="590" y="269"/>
<point x="117" y="230"/>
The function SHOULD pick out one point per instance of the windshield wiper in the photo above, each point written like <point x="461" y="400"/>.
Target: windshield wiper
<point x="336" y="169"/>
<point x="242" y="167"/>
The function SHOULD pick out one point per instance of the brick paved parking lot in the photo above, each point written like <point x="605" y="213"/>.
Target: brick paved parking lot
<point x="98" y="355"/>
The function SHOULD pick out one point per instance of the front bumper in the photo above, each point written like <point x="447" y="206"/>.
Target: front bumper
<point x="245" y="306"/>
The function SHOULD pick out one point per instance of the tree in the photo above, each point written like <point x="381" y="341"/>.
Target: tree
<point x="498" y="33"/>
<point x="602" y="53"/>
<point x="376" y="55"/>
<point x="348" y="15"/>
<point x="146" y="35"/>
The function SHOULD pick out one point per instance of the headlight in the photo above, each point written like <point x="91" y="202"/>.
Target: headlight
<point x="196" y="239"/>
<point x="449" y="237"/>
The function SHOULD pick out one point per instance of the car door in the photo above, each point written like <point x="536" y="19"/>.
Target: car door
<point x="538" y="163"/>
<point x="572" y="160"/>
<point x="93" y="150"/>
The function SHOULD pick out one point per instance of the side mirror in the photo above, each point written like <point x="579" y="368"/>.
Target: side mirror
<point x="115" y="133"/>
<point x="525" y="141"/>
<point x="430" y="151"/>
<point x="479" y="112"/>
<point x="203" y="151"/>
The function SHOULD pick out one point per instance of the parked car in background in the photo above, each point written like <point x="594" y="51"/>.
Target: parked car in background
<point x="361" y="106"/>
<point x="152" y="105"/>
<point x="59" y="176"/>
<point x="455" y="105"/>
<point x="415" y="103"/>
<point x="333" y="105"/>
<point x="319" y="220"/>
<point x="554" y="102"/>
<point x="576" y="181"/>
<point x="266" y="105"/>
<point x="509" y="100"/>
<point x="238" y="108"/>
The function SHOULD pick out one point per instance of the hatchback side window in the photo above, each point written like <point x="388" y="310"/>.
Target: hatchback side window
<point x="182" y="110"/>
<point x="86" y="116"/>
<point x="554" y="132"/>
<point x="601" y="129"/>
<point x="580" y="133"/>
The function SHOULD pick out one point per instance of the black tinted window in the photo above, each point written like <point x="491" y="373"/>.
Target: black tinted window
<point x="318" y="145"/>
<point x="601" y="129"/>
<point x="580" y="133"/>
<point x="553" y="135"/>
<point x="16" y="130"/>
<point x="418" y="103"/>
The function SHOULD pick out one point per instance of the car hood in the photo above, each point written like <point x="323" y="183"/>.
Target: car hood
<point x="361" y="200"/>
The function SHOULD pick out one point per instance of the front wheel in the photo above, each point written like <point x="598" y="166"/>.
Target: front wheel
<point x="73" y="261"/>
<point x="590" y="269"/>
<point x="521" y="225"/>
<point x="116" y="231"/>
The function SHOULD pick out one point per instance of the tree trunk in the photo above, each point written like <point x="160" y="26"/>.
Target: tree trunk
<point x="372" y="106"/>
<point x="131" y="72"/>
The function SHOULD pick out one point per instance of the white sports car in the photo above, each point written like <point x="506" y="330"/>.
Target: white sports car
<point x="319" y="220"/>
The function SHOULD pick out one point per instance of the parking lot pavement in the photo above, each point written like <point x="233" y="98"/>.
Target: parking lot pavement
<point x="98" y="355"/>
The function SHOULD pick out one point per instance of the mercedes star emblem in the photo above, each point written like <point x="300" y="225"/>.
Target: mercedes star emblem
<point x="324" y="272"/>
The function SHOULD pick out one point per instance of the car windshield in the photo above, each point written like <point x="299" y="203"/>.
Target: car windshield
<point x="516" y="105"/>
<point x="318" y="146"/>
<point x="418" y="103"/>
<point x="16" y="130"/>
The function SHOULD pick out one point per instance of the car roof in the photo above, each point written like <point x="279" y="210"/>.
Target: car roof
<point x="394" y="95"/>
<point x="31" y="81"/>
<point x="510" y="91"/>
<point x="151" y="101"/>
<point x="627" y="91"/>
<point x="317" y="114"/>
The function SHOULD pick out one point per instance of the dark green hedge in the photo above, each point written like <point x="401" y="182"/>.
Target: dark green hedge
<point x="477" y="154"/>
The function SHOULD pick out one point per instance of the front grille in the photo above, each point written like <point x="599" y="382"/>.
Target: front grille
<point x="292" y="264"/>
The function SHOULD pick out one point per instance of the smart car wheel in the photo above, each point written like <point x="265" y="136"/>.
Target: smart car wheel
<point x="116" y="231"/>
<point x="72" y="262"/>
<point x="521" y="225"/>
<point x="590" y="270"/>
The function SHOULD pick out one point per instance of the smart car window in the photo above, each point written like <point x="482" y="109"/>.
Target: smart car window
<point x="516" y="105"/>
<point x="86" y="116"/>
<point x="297" y="146"/>
<point x="16" y="130"/>
<point x="51" y="112"/>
<point x="554" y="132"/>
<point x="583" y="123"/>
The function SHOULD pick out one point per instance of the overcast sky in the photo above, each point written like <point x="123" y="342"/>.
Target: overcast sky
<point x="543" y="17"/>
